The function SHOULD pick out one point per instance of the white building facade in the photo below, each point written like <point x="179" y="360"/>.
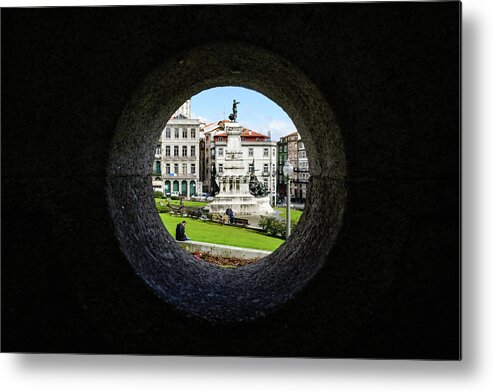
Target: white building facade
<point x="176" y="163"/>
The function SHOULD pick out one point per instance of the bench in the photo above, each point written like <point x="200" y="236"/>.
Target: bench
<point x="239" y="221"/>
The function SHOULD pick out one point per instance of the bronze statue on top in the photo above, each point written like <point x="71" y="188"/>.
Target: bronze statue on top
<point x="214" y="186"/>
<point x="256" y="188"/>
<point x="234" y="115"/>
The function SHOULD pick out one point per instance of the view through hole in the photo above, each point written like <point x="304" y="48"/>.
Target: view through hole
<point x="194" y="286"/>
<point x="223" y="167"/>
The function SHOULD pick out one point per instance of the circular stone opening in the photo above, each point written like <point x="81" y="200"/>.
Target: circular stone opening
<point x="196" y="287"/>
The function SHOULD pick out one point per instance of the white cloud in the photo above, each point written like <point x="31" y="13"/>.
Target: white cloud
<point x="201" y="118"/>
<point x="278" y="125"/>
<point x="278" y="128"/>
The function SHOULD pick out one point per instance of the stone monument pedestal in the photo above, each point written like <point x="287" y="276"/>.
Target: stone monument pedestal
<point x="234" y="187"/>
<point x="264" y="206"/>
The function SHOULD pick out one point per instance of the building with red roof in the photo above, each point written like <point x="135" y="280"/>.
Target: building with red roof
<point x="257" y="149"/>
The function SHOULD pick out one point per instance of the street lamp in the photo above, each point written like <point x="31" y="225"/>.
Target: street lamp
<point x="288" y="172"/>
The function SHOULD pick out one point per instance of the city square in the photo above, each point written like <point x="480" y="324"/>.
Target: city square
<point x="228" y="174"/>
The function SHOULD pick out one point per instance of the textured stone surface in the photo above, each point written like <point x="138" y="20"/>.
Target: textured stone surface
<point x="82" y="274"/>
<point x="194" y="286"/>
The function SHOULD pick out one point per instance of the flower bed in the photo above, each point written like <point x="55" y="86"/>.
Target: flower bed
<point x="222" y="261"/>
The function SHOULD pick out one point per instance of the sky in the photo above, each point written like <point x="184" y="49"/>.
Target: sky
<point x="255" y="111"/>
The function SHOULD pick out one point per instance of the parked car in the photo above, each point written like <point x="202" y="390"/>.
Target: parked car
<point x="202" y="197"/>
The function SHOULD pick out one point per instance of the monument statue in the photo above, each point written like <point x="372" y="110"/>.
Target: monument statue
<point x="257" y="189"/>
<point x="237" y="187"/>
<point x="234" y="115"/>
<point x="214" y="186"/>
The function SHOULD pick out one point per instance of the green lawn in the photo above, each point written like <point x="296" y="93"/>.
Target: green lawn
<point x="207" y="231"/>
<point x="295" y="214"/>
<point x="188" y="203"/>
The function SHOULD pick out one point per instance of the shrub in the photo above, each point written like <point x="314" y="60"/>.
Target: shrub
<point x="162" y="208"/>
<point x="175" y="198"/>
<point x="264" y="222"/>
<point x="272" y="226"/>
<point x="275" y="227"/>
<point x="158" y="195"/>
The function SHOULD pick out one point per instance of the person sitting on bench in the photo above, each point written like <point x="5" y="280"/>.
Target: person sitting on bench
<point x="230" y="214"/>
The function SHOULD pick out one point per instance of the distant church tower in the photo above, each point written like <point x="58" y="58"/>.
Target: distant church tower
<point x="183" y="111"/>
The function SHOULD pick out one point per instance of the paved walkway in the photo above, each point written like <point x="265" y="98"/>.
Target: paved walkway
<point x="253" y="220"/>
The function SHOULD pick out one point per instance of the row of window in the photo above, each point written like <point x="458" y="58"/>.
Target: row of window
<point x="184" y="133"/>
<point x="221" y="139"/>
<point x="301" y="165"/>
<point x="265" y="172"/>
<point x="266" y="184"/>
<point x="176" y="168"/>
<point x="176" y="150"/>
<point x="220" y="152"/>
<point x="292" y="148"/>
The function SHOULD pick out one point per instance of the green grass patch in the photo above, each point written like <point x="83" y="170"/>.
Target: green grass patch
<point x="214" y="233"/>
<point x="295" y="214"/>
<point x="187" y="203"/>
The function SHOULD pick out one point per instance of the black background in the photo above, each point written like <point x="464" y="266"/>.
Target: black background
<point x="391" y="74"/>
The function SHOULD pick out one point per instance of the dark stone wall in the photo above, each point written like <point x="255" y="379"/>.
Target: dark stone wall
<point x="390" y="73"/>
